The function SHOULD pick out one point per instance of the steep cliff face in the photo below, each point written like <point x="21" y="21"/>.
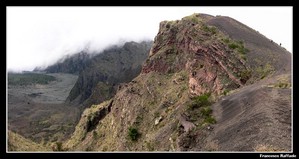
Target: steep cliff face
<point x="72" y="64"/>
<point x="99" y="80"/>
<point x="175" y="104"/>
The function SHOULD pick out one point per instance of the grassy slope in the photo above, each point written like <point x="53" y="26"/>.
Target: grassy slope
<point x="17" y="142"/>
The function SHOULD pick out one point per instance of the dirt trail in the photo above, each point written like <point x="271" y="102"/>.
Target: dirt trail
<point x="256" y="115"/>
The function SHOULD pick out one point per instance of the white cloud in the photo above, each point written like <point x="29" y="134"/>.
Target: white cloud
<point x="40" y="35"/>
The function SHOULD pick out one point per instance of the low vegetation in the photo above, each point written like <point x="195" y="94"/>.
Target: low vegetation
<point x="57" y="146"/>
<point x="194" y="18"/>
<point x="17" y="142"/>
<point x="238" y="46"/>
<point x="211" y="29"/>
<point x="282" y="82"/>
<point x="200" y="110"/>
<point x="225" y="92"/>
<point x="265" y="70"/>
<point x="200" y="101"/>
<point x="29" y="78"/>
<point x="133" y="133"/>
<point x="267" y="148"/>
<point x="282" y="85"/>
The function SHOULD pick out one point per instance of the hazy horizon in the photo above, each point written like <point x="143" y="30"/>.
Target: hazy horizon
<point x="39" y="36"/>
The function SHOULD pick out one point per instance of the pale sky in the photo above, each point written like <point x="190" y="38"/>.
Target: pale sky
<point x="39" y="36"/>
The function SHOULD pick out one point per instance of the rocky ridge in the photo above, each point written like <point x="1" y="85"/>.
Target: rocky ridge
<point x="172" y="105"/>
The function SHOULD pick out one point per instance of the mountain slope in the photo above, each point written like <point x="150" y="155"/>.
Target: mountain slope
<point x="265" y="55"/>
<point x="17" y="142"/>
<point x="105" y="71"/>
<point x="73" y="64"/>
<point x="179" y="101"/>
<point x="256" y="117"/>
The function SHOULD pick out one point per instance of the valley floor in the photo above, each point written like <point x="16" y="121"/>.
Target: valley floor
<point x="38" y="112"/>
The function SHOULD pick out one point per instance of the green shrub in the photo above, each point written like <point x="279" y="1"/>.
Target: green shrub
<point x="206" y="111"/>
<point x="95" y="135"/>
<point x="203" y="115"/>
<point x="245" y="75"/>
<point x="282" y="85"/>
<point x="242" y="50"/>
<point x="233" y="45"/>
<point x="225" y="92"/>
<point x="200" y="101"/>
<point x="58" y="147"/>
<point x="226" y="40"/>
<point x="133" y="133"/>
<point x="265" y="70"/>
<point x="238" y="45"/>
<point x="240" y="42"/>
<point x="210" y="120"/>
<point x="210" y="29"/>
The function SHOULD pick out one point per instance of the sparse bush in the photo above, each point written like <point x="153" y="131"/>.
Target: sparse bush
<point x="200" y="101"/>
<point x="210" y="119"/>
<point x="206" y="111"/>
<point x="245" y="75"/>
<point x="226" y="40"/>
<point x="133" y="133"/>
<point x="105" y="148"/>
<point x="89" y="149"/>
<point x="240" y="42"/>
<point x="233" y="45"/>
<point x="149" y="146"/>
<point x="57" y="146"/>
<point x="193" y="18"/>
<point x="210" y="29"/>
<point x="264" y="71"/>
<point x="95" y="135"/>
<point x="242" y="50"/>
<point x="282" y="84"/>
<point x="238" y="45"/>
<point x="167" y="25"/>
<point x="243" y="56"/>
<point x="200" y="111"/>
<point x="225" y="92"/>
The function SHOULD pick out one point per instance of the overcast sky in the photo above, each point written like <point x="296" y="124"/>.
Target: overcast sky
<point x="38" y="36"/>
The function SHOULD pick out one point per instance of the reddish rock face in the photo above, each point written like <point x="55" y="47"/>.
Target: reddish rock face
<point x="211" y="64"/>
